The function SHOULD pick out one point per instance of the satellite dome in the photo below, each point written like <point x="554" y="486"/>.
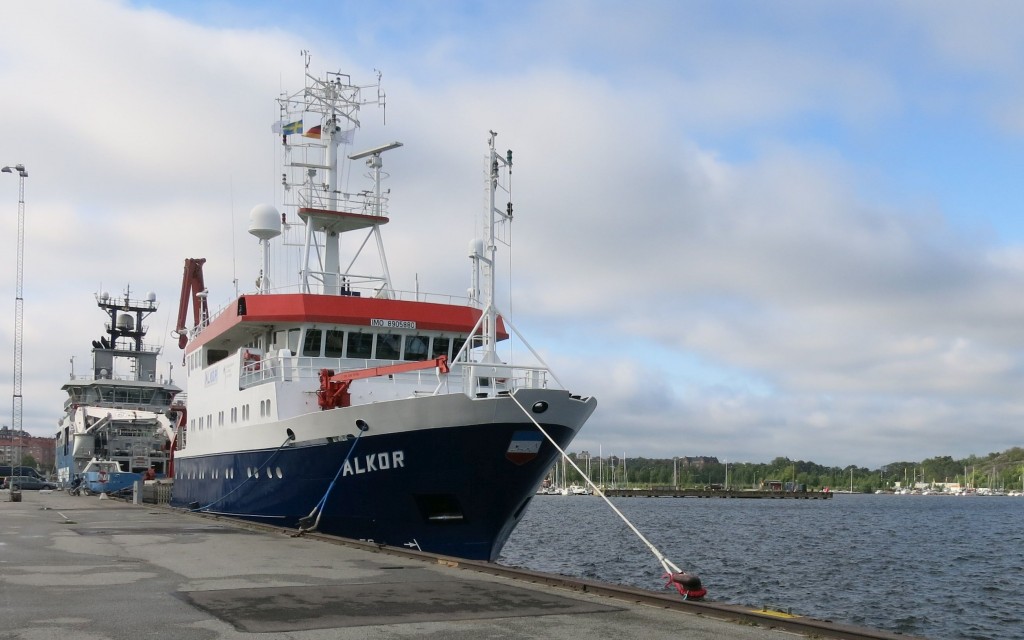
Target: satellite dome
<point x="151" y="296"/>
<point x="264" y="222"/>
<point x="125" y="322"/>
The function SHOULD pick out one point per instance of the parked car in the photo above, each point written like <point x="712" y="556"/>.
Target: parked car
<point x="5" y="470"/>
<point x="27" y="483"/>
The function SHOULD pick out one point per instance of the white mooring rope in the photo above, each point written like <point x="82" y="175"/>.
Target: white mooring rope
<point x="666" y="564"/>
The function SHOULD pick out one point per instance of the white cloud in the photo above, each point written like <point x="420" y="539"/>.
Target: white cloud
<point x="741" y="303"/>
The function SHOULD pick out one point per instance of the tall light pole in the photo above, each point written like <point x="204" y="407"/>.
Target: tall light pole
<point x="18" y="315"/>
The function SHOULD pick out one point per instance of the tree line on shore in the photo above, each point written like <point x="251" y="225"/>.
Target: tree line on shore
<point x="1003" y="470"/>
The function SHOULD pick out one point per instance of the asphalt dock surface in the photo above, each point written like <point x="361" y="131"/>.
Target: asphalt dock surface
<point x="90" y="569"/>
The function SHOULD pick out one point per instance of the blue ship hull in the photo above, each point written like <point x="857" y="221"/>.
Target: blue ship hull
<point x="452" y="491"/>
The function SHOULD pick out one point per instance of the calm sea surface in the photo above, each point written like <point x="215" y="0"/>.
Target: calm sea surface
<point x="943" y="567"/>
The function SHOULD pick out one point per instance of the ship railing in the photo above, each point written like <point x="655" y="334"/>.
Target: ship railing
<point x="126" y="405"/>
<point x="287" y="368"/>
<point x="475" y="378"/>
<point x="88" y="377"/>
<point x="129" y="304"/>
<point x="365" y="203"/>
<point x="146" y="348"/>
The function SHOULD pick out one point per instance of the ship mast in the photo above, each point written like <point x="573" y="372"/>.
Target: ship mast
<point x="314" y="124"/>
<point x="124" y="327"/>
<point x="483" y="254"/>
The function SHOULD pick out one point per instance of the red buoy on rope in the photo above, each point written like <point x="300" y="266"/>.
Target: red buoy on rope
<point x="687" y="585"/>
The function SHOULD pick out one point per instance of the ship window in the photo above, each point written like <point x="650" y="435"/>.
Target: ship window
<point x="215" y="355"/>
<point x="389" y="346"/>
<point x="278" y="472"/>
<point x="457" y="346"/>
<point x="334" y="345"/>
<point x="268" y="406"/>
<point x="360" y="345"/>
<point x="311" y="345"/>
<point x="416" y="347"/>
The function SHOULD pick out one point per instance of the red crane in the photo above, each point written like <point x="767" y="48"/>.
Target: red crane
<point x="192" y="288"/>
<point x="333" y="392"/>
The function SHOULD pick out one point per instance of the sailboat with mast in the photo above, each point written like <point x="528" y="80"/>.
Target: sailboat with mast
<point x="342" y="404"/>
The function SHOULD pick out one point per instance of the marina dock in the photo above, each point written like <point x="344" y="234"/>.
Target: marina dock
<point x="97" y="568"/>
<point x="669" y="492"/>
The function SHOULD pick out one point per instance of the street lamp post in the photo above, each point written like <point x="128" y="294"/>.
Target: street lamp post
<point x="16" y="402"/>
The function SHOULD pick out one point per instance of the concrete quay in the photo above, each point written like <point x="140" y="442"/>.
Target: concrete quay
<point x="93" y="569"/>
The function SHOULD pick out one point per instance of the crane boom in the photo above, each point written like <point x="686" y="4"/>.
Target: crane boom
<point x="192" y="288"/>
<point x="333" y="392"/>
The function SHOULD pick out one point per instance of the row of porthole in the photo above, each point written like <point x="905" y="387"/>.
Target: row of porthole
<point x="255" y="472"/>
<point x="229" y="474"/>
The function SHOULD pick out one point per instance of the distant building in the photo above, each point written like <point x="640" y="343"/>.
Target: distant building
<point x="697" y="462"/>
<point x="26" y="444"/>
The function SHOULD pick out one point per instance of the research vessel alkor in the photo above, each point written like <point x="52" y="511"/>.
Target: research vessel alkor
<point x="342" y="404"/>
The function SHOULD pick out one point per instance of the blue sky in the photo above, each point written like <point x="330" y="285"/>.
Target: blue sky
<point x="750" y="229"/>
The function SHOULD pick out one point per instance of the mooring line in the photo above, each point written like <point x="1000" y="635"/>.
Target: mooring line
<point x="265" y="463"/>
<point x="318" y="509"/>
<point x="666" y="564"/>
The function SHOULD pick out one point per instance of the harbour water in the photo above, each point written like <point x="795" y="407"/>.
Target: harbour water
<point x="943" y="567"/>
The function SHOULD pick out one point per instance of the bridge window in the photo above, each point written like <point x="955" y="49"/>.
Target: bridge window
<point x="440" y="347"/>
<point x="335" y="344"/>
<point x="389" y="346"/>
<point x="287" y="340"/>
<point x="360" y="345"/>
<point x="416" y="347"/>
<point x="456" y="346"/>
<point x="311" y="345"/>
